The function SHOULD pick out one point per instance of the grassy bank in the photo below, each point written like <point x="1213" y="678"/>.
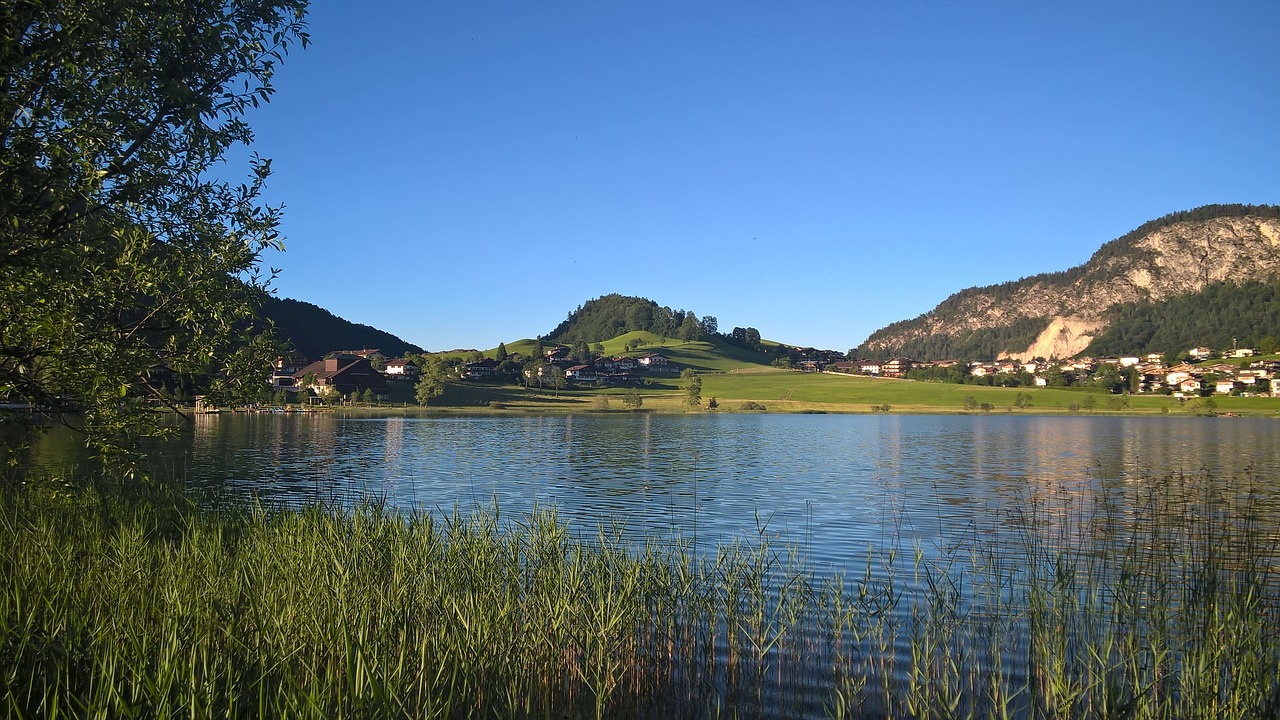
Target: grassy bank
<point x="119" y="607"/>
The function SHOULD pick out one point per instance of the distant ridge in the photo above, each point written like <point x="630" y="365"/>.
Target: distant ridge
<point x="314" y="331"/>
<point x="1061" y="314"/>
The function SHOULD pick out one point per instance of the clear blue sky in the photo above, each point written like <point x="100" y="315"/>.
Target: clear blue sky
<point x="464" y="173"/>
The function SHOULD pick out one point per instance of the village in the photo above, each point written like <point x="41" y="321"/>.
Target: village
<point x="367" y="374"/>
<point x="1194" y="376"/>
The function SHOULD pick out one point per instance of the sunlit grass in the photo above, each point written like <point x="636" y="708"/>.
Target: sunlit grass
<point x="116" y="607"/>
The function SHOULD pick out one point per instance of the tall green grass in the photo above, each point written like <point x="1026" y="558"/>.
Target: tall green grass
<point x="117" y="607"/>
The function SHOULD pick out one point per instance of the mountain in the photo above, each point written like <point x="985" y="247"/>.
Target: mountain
<point x="1061" y="314"/>
<point x="314" y="331"/>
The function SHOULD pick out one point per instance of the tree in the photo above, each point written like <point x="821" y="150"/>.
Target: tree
<point x="633" y="399"/>
<point x="690" y="329"/>
<point x="501" y="354"/>
<point x="122" y="247"/>
<point x="691" y="384"/>
<point x="710" y="325"/>
<point x="431" y="381"/>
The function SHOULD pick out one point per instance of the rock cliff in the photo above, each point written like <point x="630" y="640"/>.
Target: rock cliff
<point x="1058" y="314"/>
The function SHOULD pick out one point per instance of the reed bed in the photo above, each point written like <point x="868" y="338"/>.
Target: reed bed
<point x="113" y="606"/>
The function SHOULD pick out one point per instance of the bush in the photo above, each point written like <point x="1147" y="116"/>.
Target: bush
<point x="752" y="406"/>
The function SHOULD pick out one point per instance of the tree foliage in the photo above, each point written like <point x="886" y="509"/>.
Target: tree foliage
<point x="432" y="375"/>
<point x="314" y="331"/>
<point x="124" y="258"/>
<point x="691" y="384"/>
<point x="1219" y="316"/>
<point x="612" y="315"/>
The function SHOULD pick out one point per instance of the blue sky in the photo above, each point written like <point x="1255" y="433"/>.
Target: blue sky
<point x="464" y="173"/>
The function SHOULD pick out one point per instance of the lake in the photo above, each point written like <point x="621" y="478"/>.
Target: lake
<point x="944" y="534"/>
<point x="832" y="484"/>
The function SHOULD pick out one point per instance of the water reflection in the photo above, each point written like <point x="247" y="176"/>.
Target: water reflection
<point x="836" y="484"/>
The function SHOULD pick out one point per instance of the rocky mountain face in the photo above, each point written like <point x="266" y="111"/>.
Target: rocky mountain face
<point x="1058" y="314"/>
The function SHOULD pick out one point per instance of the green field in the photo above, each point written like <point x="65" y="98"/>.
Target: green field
<point x="735" y="376"/>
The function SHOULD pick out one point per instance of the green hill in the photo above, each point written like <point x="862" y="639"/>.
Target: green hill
<point x="314" y="331"/>
<point x="609" y="316"/>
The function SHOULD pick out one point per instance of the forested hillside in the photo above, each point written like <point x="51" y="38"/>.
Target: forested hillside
<point x="612" y="315"/>
<point x="314" y="331"/>
<point x="1064" y="313"/>
<point x="1220" y="316"/>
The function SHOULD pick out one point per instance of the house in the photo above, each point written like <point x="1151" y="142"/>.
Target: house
<point x="869" y="367"/>
<point x="1199" y="353"/>
<point x="373" y="355"/>
<point x="896" y="367"/>
<point x="1190" y="385"/>
<point x="1224" y="387"/>
<point x="342" y="372"/>
<point x="1129" y="360"/>
<point x="581" y="373"/>
<point x="284" y="368"/>
<point x="618" y="364"/>
<point x="1242" y="352"/>
<point x="654" y="362"/>
<point x="401" y="369"/>
<point x="479" y="370"/>
<point x="559" y="353"/>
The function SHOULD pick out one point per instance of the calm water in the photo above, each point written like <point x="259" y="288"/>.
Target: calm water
<point x="834" y="487"/>
<point x="833" y="484"/>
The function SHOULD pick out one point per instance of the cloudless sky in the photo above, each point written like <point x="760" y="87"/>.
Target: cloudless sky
<point x="465" y="173"/>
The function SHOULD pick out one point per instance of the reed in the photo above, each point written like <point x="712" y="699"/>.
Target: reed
<point x="114" y="605"/>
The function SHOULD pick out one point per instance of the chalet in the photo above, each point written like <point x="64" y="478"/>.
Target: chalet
<point x="1242" y="352"/>
<point x="1151" y="382"/>
<point x="1226" y="386"/>
<point x="559" y="353"/>
<point x="581" y="373"/>
<point x="284" y="368"/>
<point x="1190" y="385"/>
<point x="1129" y="360"/>
<point x="618" y="364"/>
<point x="479" y="370"/>
<point x="373" y="355"/>
<point x="1199" y="353"/>
<point x="1176" y="377"/>
<point x="401" y="369"/>
<point x="896" y="367"/>
<point x="344" y="373"/>
<point x="844" y="366"/>
<point x="654" y="362"/>
<point x="869" y="367"/>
